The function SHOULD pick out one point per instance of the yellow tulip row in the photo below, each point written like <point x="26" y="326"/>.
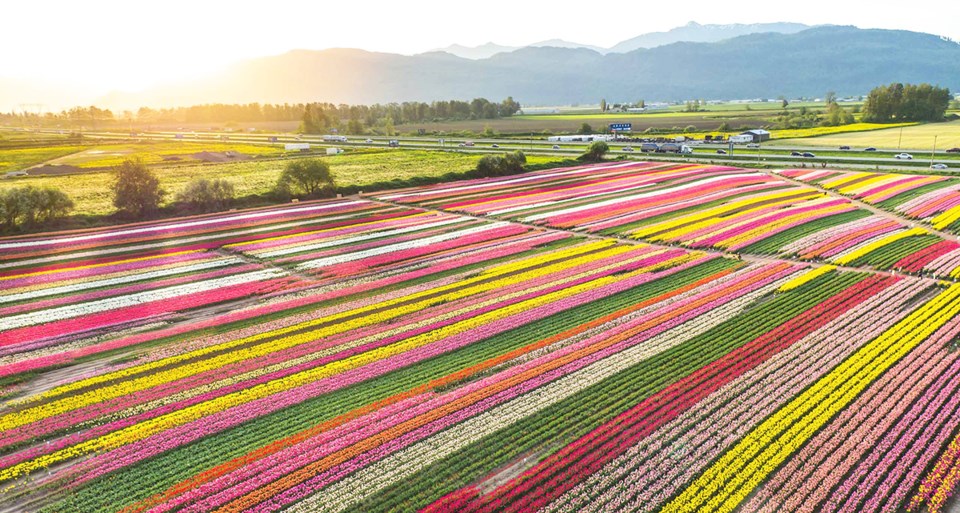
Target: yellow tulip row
<point x="946" y="218"/>
<point x="734" y="476"/>
<point x="806" y="277"/>
<point x="677" y="227"/>
<point x="877" y="244"/>
<point x="194" y="412"/>
<point x="766" y="228"/>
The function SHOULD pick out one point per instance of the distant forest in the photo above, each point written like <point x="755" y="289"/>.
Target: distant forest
<point x="314" y="117"/>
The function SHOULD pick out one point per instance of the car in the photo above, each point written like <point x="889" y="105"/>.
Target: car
<point x="494" y="145"/>
<point x="871" y="148"/>
<point x="753" y="145"/>
<point x="953" y="150"/>
<point x="938" y="166"/>
<point x="721" y="152"/>
<point x="369" y="141"/>
<point x="903" y="156"/>
<point x="796" y="154"/>
<point x="556" y="146"/>
<point x="627" y="148"/>
<point x="844" y="148"/>
<point x="809" y="155"/>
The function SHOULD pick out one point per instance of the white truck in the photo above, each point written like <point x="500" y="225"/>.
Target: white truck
<point x="334" y="138"/>
<point x="296" y="146"/>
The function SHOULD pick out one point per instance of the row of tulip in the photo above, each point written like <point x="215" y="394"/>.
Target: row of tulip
<point x="706" y="207"/>
<point x="930" y="198"/>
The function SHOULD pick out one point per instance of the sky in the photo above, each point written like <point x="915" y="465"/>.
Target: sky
<point x="97" y="46"/>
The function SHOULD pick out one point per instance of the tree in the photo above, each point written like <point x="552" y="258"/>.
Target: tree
<point x="783" y="101"/>
<point x="203" y="195"/>
<point x="310" y="178"/>
<point x="585" y="129"/>
<point x="831" y="97"/>
<point x="724" y="127"/>
<point x="603" y="105"/>
<point x="136" y="189"/>
<point x="595" y="151"/>
<point x="642" y="104"/>
<point x="898" y="102"/>
<point x="509" y="107"/>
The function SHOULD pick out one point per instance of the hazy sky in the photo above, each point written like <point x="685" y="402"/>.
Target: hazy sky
<point x="131" y="44"/>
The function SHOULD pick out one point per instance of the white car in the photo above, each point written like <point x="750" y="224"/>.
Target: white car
<point x="369" y="141"/>
<point x="753" y="146"/>
<point x="903" y="156"/>
<point x="627" y="148"/>
<point x="938" y="166"/>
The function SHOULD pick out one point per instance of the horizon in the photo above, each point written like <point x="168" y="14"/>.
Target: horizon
<point x="206" y="39"/>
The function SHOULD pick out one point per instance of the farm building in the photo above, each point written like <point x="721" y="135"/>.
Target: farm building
<point x="758" y="135"/>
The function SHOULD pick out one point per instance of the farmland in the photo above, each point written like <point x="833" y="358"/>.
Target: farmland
<point x="919" y="137"/>
<point x="613" y="337"/>
<point x="91" y="190"/>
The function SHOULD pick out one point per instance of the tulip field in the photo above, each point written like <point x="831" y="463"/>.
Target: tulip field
<point x="616" y="337"/>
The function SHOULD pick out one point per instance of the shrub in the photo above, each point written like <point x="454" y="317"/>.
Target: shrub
<point x="501" y="165"/>
<point x="203" y="195"/>
<point x="595" y="151"/>
<point x="136" y="189"/>
<point x="26" y="207"/>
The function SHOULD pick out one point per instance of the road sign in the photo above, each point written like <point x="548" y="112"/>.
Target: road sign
<point x="621" y="127"/>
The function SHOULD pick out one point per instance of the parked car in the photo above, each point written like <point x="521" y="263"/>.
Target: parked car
<point x="953" y="150"/>
<point x="844" y="148"/>
<point x="796" y="154"/>
<point x="753" y="145"/>
<point x="494" y="145"/>
<point x="556" y="146"/>
<point x="903" y="156"/>
<point x="627" y="148"/>
<point x="369" y="141"/>
<point x="871" y="148"/>
<point x="938" y="166"/>
<point x="721" y="152"/>
<point x="809" y="155"/>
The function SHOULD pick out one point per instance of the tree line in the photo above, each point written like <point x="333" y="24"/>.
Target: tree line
<point x="316" y="116"/>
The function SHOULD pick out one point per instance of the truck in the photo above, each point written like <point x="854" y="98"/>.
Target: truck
<point x="334" y="151"/>
<point x="334" y="138"/>
<point x="296" y="146"/>
<point x="649" y="146"/>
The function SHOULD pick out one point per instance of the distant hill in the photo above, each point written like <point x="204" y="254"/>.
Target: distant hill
<point x="693" y="32"/>
<point x="847" y="60"/>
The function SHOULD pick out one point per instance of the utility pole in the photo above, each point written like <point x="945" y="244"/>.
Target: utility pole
<point x="934" y="151"/>
<point x="900" y="138"/>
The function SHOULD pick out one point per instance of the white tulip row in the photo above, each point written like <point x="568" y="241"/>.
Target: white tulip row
<point x="171" y="226"/>
<point x="397" y="467"/>
<point x="400" y="246"/>
<point x="103" y="305"/>
<point x="150" y="275"/>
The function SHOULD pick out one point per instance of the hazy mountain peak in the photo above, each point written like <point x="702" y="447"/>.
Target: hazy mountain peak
<point x="694" y="32"/>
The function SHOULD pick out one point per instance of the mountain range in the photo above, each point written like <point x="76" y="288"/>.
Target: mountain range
<point x="810" y="62"/>
<point x="692" y="32"/>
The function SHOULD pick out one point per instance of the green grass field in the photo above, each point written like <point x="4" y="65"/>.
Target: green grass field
<point x="22" y="158"/>
<point x="91" y="191"/>
<point x="917" y="137"/>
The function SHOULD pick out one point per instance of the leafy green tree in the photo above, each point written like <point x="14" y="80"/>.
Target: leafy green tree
<point x="308" y="178"/>
<point x="585" y="129"/>
<point x="204" y="195"/>
<point x="136" y="189"/>
<point x="603" y="105"/>
<point x="509" y="107"/>
<point x="595" y="151"/>
<point x="898" y="102"/>
<point x="830" y="97"/>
